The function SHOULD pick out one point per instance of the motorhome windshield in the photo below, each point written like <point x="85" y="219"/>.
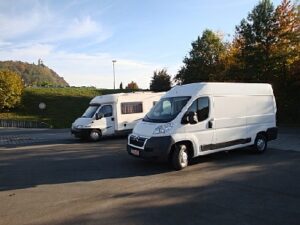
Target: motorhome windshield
<point x="90" y="111"/>
<point x="166" y="109"/>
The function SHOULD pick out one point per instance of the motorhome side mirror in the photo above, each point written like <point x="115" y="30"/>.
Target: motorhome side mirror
<point x="99" y="116"/>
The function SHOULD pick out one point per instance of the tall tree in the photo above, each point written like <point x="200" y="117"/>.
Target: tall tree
<point x="11" y="88"/>
<point x="287" y="49"/>
<point x="121" y="86"/>
<point x="161" y="81"/>
<point x="204" y="60"/>
<point x="132" y="86"/>
<point x="256" y="35"/>
<point x="233" y="65"/>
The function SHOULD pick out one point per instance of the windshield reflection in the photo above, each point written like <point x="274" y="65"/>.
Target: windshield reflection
<point x="166" y="109"/>
<point x="90" y="111"/>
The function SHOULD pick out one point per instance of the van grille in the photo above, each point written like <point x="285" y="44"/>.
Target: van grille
<point x="137" y="141"/>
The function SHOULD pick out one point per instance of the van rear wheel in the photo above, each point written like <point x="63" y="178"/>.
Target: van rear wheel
<point x="95" y="135"/>
<point x="260" y="143"/>
<point x="180" y="157"/>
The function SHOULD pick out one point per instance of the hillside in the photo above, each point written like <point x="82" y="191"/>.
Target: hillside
<point x="34" y="75"/>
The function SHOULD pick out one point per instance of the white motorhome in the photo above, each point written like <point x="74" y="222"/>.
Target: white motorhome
<point x="202" y="118"/>
<point x="113" y="114"/>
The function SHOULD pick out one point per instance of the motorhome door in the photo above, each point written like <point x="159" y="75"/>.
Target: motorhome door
<point x="107" y="122"/>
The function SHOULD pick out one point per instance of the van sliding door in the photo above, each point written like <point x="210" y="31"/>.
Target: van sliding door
<point x="230" y="121"/>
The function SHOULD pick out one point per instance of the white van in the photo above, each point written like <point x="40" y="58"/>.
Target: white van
<point x="113" y="114"/>
<point x="202" y="118"/>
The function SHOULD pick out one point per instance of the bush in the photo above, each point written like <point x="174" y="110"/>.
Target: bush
<point x="11" y="88"/>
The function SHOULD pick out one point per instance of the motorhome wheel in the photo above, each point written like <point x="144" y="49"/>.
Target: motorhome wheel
<point x="95" y="135"/>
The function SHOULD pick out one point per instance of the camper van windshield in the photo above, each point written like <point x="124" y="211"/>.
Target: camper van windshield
<point x="166" y="109"/>
<point x="90" y="111"/>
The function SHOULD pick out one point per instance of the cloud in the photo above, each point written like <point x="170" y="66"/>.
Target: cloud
<point x="64" y="38"/>
<point x="34" y="22"/>
<point x="83" y="69"/>
<point x="16" y="20"/>
<point x="26" y="53"/>
<point x="81" y="28"/>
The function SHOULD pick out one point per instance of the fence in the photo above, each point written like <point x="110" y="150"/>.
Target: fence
<point x="23" y="124"/>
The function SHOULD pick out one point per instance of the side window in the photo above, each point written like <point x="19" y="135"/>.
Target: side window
<point x="131" y="107"/>
<point x="106" y="110"/>
<point x="201" y="107"/>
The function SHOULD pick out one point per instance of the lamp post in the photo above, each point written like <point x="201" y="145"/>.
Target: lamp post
<point x="114" y="61"/>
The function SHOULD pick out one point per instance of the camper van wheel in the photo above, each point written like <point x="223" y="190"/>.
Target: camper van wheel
<point x="95" y="135"/>
<point x="260" y="144"/>
<point x="180" y="157"/>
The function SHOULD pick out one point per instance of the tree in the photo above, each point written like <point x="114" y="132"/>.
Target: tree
<point x="161" y="81"/>
<point x="11" y="87"/>
<point x="132" y="86"/>
<point x="256" y="35"/>
<point x="287" y="48"/>
<point x="231" y="61"/>
<point x="204" y="60"/>
<point x="121" y="86"/>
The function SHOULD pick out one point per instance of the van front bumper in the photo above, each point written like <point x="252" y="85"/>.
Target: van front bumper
<point x="155" y="148"/>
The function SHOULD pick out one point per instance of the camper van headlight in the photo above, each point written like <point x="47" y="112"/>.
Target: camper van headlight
<point x="162" y="129"/>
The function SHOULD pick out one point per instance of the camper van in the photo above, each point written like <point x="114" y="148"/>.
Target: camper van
<point x="113" y="114"/>
<point x="203" y="118"/>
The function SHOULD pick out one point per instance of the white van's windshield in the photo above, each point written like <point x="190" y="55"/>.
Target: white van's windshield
<point x="166" y="109"/>
<point x="90" y="111"/>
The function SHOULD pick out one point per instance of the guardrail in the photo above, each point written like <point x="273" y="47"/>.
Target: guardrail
<point x="23" y="124"/>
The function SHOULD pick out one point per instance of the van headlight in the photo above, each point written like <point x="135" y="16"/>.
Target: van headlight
<point x="163" y="129"/>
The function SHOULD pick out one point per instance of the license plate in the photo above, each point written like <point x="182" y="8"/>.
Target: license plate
<point x="135" y="152"/>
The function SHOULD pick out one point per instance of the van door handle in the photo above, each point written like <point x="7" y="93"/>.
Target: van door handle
<point x="211" y="123"/>
<point x="112" y="119"/>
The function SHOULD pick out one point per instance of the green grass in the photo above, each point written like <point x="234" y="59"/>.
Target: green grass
<point x="63" y="105"/>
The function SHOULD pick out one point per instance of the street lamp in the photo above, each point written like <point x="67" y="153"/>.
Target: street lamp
<point x="114" y="61"/>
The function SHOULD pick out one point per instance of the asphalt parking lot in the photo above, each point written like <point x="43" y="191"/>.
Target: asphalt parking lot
<point x="46" y="177"/>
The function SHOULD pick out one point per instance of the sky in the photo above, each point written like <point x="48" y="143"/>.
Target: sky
<point x="79" y="38"/>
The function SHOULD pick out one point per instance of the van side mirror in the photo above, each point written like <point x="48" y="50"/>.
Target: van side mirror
<point x="99" y="116"/>
<point x="189" y="117"/>
<point x="192" y="117"/>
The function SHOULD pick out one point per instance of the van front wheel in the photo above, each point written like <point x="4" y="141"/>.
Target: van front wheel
<point x="180" y="157"/>
<point x="95" y="135"/>
<point x="260" y="144"/>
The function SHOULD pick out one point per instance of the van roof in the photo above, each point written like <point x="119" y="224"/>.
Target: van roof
<point x="215" y="88"/>
<point x="133" y="96"/>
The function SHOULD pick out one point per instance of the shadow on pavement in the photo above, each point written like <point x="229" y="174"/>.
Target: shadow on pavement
<point x="77" y="161"/>
<point x="254" y="190"/>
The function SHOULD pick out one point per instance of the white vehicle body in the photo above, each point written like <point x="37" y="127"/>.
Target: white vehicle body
<point x="113" y="114"/>
<point x="224" y="116"/>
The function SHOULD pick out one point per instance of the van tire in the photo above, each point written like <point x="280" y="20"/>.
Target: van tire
<point x="260" y="143"/>
<point x="180" y="157"/>
<point x="95" y="135"/>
